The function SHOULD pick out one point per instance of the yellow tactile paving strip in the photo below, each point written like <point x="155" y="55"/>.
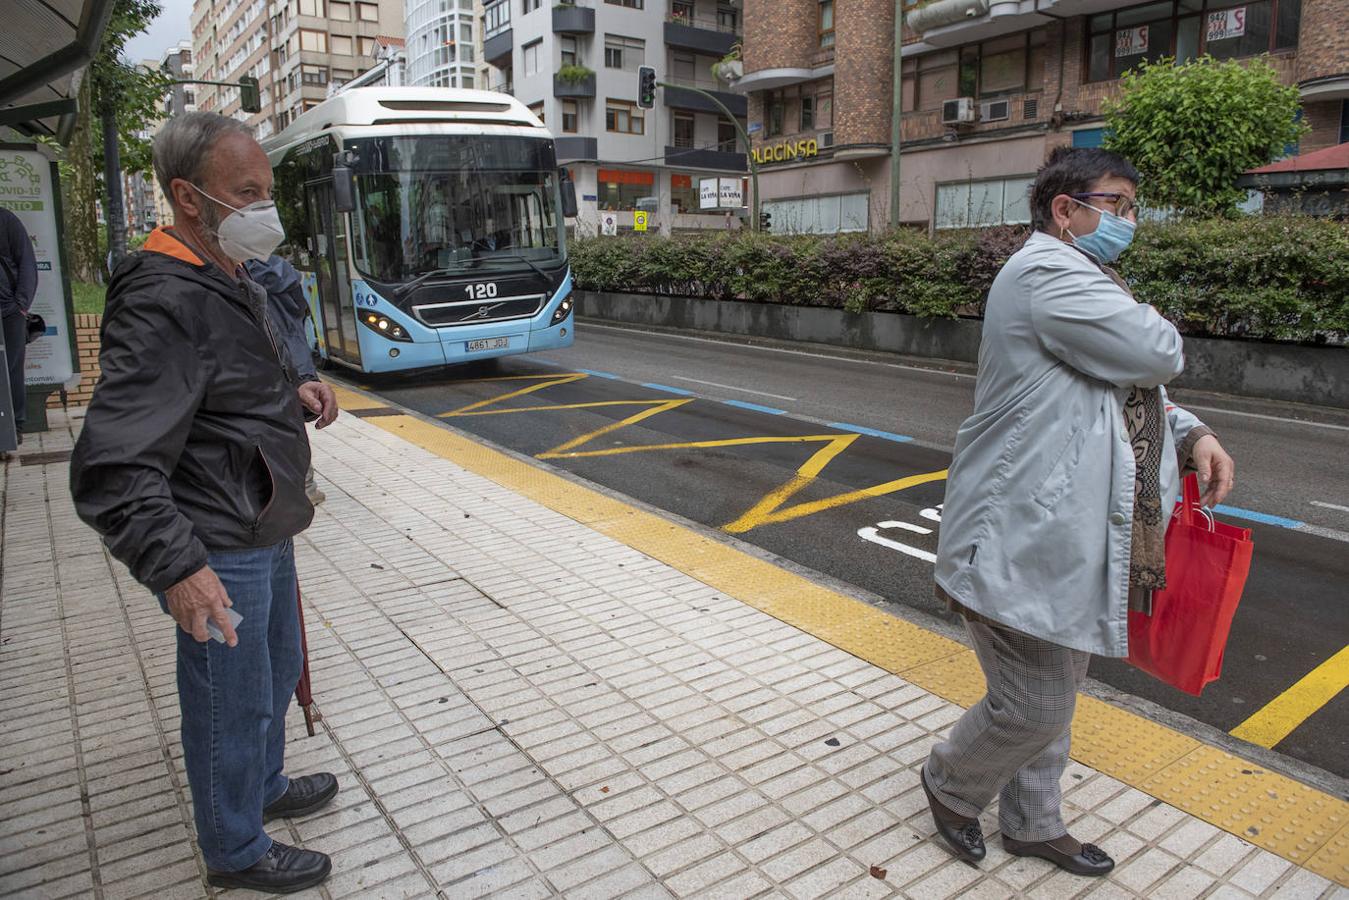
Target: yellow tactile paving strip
<point x="1303" y="825"/>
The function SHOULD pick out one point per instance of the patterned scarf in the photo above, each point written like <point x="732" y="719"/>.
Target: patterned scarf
<point x="1145" y="420"/>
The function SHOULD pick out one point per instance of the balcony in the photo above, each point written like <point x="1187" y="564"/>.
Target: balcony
<point x="574" y="88"/>
<point x="571" y="19"/>
<point x="680" y="98"/>
<point x="693" y="158"/>
<point x="496" y="50"/>
<point x="699" y="35"/>
<point x="949" y="23"/>
<point x="576" y="149"/>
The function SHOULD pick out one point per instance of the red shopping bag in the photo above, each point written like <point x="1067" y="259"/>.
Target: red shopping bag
<point x="1207" y="562"/>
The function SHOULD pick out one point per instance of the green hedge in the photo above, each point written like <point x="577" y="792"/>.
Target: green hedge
<point x="1263" y="277"/>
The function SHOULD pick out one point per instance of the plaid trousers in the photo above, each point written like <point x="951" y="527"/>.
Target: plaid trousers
<point x="1012" y="744"/>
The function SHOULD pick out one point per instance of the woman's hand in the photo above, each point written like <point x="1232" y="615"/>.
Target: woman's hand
<point x="1216" y="469"/>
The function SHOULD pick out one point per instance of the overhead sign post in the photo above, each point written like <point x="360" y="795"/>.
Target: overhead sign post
<point x="30" y="188"/>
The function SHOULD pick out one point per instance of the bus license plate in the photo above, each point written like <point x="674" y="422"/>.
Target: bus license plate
<point x="488" y="344"/>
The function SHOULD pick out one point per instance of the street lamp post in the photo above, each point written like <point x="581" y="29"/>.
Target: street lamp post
<point x="897" y="105"/>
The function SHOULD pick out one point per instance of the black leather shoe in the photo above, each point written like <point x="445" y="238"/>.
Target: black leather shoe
<point x="304" y="795"/>
<point x="961" y="833"/>
<point x="1090" y="860"/>
<point x="283" y="870"/>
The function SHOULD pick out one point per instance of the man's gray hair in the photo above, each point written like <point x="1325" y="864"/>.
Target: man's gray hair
<point x="182" y="148"/>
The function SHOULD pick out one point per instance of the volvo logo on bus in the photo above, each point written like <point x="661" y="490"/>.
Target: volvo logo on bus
<point x="483" y="312"/>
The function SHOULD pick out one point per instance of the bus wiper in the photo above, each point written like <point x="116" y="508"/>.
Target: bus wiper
<point x="529" y="262"/>
<point x="409" y="285"/>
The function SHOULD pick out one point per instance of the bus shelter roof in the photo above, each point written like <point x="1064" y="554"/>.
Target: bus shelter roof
<point x="45" y="47"/>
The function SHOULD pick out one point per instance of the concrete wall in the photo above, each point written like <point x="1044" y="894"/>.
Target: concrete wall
<point x="1289" y="372"/>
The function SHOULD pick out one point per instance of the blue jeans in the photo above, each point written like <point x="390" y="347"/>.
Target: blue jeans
<point x="234" y="703"/>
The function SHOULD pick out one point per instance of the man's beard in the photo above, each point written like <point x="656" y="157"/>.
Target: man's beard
<point x="209" y="221"/>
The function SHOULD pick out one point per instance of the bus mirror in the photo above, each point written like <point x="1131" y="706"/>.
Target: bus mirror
<point x="568" y="196"/>
<point x="344" y="189"/>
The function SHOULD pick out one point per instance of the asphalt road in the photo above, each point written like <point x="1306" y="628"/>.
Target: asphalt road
<point x="739" y="415"/>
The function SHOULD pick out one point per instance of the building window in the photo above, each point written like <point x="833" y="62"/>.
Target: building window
<point x="681" y="11"/>
<point x="684" y="67"/>
<point x="1185" y="29"/>
<point x="339" y="11"/>
<point x="728" y="19"/>
<point x="775" y="113"/>
<point x="528" y="6"/>
<point x="807" y="113"/>
<point x="342" y="45"/>
<point x="623" y="117"/>
<point x="623" y="52"/>
<point x="537" y="110"/>
<point x="341" y="76"/>
<point x="466" y="43"/>
<point x="314" y="41"/>
<point x="571" y="116"/>
<point x="315" y="75"/>
<point x="531" y="53"/>
<point x="311" y="8"/>
<point x="1344" y="121"/>
<point x="979" y="204"/>
<point x="621" y="189"/>
<point x="496" y="18"/>
<point x="684" y="126"/>
<point x="630" y="4"/>
<point x="568" y="45"/>
<point x="367" y="12"/>
<point x="683" y="193"/>
<point x="466" y="81"/>
<point x="819" y="215"/>
<point x="367" y="46"/>
<point x="826" y="23"/>
<point x="727" y="136"/>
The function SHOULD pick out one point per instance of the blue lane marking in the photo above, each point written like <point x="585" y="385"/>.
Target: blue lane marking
<point x="599" y="374"/>
<point x="756" y="407"/>
<point x="897" y="438"/>
<point x="1263" y="518"/>
<point x="668" y="389"/>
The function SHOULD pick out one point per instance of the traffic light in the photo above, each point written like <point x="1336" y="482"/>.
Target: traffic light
<point x="646" y="87"/>
<point x="250" y="98"/>
<point x="765" y="221"/>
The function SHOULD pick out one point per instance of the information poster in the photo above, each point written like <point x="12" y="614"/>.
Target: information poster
<point x="1226" y="23"/>
<point x="26" y="190"/>
<point x="1131" y="41"/>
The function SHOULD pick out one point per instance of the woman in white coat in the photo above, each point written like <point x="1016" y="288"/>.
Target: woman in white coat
<point x="1057" y="503"/>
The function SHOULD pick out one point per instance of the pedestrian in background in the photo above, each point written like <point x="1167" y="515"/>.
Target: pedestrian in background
<point x="18" y="287"/>
<point x="1058" y="499"/>
<point x="287" y="310"/>
<point x="191" y="466"/>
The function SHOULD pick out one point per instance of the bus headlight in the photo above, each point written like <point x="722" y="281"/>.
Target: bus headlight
<point x="563" y="310"/>
<point x="385" y="326"/>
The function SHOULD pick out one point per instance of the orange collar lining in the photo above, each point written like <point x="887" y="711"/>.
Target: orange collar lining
<point x="161" y="240"/>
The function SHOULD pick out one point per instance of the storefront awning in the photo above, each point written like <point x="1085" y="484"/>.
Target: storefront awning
<point x="45" y="47"/>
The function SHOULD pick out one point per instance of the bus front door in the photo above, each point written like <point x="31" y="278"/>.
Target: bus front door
<point x="334" y="279"/>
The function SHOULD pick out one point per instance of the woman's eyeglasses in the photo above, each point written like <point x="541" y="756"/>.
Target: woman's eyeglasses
<point x="1124" y="205"/>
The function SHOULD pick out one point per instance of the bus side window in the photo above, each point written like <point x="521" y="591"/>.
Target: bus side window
<point x="288" y="191"/>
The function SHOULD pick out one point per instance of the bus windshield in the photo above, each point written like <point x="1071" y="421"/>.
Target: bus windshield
<point x="447" y="203"/>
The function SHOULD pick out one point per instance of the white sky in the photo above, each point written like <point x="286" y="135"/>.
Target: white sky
<point x="166" y="31"/>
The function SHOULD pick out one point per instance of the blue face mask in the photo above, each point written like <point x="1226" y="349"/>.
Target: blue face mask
<point x="1111" y="238"/>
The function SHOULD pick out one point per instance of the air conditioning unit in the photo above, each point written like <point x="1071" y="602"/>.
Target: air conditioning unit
<point x="995" y="111"/>
<point x="960" y="111"/>
<point x="826" y="139"/>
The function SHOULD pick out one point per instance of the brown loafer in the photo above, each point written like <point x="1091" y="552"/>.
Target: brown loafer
<point x="961" y="833"/>
<point x="1090" y="861"/>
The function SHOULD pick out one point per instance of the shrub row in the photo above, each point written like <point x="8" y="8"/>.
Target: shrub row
<point x="1273" y="278"/>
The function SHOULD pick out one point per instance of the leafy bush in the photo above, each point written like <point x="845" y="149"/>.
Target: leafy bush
<point x="1280" y="278"/>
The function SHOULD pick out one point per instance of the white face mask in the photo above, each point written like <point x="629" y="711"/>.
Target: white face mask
<point x="249" y="232"/>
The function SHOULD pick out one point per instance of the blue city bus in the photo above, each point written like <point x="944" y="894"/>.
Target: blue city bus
<point x="428" y="227"/>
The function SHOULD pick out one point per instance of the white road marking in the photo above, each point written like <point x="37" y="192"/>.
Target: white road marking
<point x="1251" y="415"/>
<point x="731" y="387"/>
<point x="872" y="534"/>
<point x="1330" y="506"/>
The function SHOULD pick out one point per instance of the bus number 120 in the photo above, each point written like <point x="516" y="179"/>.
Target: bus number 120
<point x="484" y="291"/>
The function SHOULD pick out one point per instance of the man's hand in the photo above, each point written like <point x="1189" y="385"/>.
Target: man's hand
<point x="197" y="598"/>
<point x="1216" y="469"/>
<point x="319" y="399"/>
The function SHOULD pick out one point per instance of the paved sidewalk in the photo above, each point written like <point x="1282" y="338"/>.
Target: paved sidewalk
<point x="517" y="705"/>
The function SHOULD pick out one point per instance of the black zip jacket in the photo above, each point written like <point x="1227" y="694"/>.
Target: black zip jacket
<point x="194" y="441"/>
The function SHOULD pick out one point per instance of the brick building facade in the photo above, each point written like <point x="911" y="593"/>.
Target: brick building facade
<point x="819" y="74"/>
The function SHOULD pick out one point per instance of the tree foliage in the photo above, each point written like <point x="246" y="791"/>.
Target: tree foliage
<point x="1193" y="129"/>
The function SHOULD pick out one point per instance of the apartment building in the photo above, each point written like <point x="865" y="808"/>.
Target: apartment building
<point x="444" y="43"/>
<point x="181" y="98"/>
<point x="575" y="65"/>
<point x="988" y="88"/>
<point x="295" y="48"/>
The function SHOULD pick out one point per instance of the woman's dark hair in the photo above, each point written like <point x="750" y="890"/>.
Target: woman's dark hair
<point x="1073" y="170"/>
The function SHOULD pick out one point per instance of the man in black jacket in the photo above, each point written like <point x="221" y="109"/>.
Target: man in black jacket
<point x="191" y="466"/>
<point x="18" y="285"/>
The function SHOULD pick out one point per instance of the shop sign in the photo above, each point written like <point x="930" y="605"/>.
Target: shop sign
<point x="1131" y="41"/>
<point x="786" y="151"/>
<point x="1226" y="23"/>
